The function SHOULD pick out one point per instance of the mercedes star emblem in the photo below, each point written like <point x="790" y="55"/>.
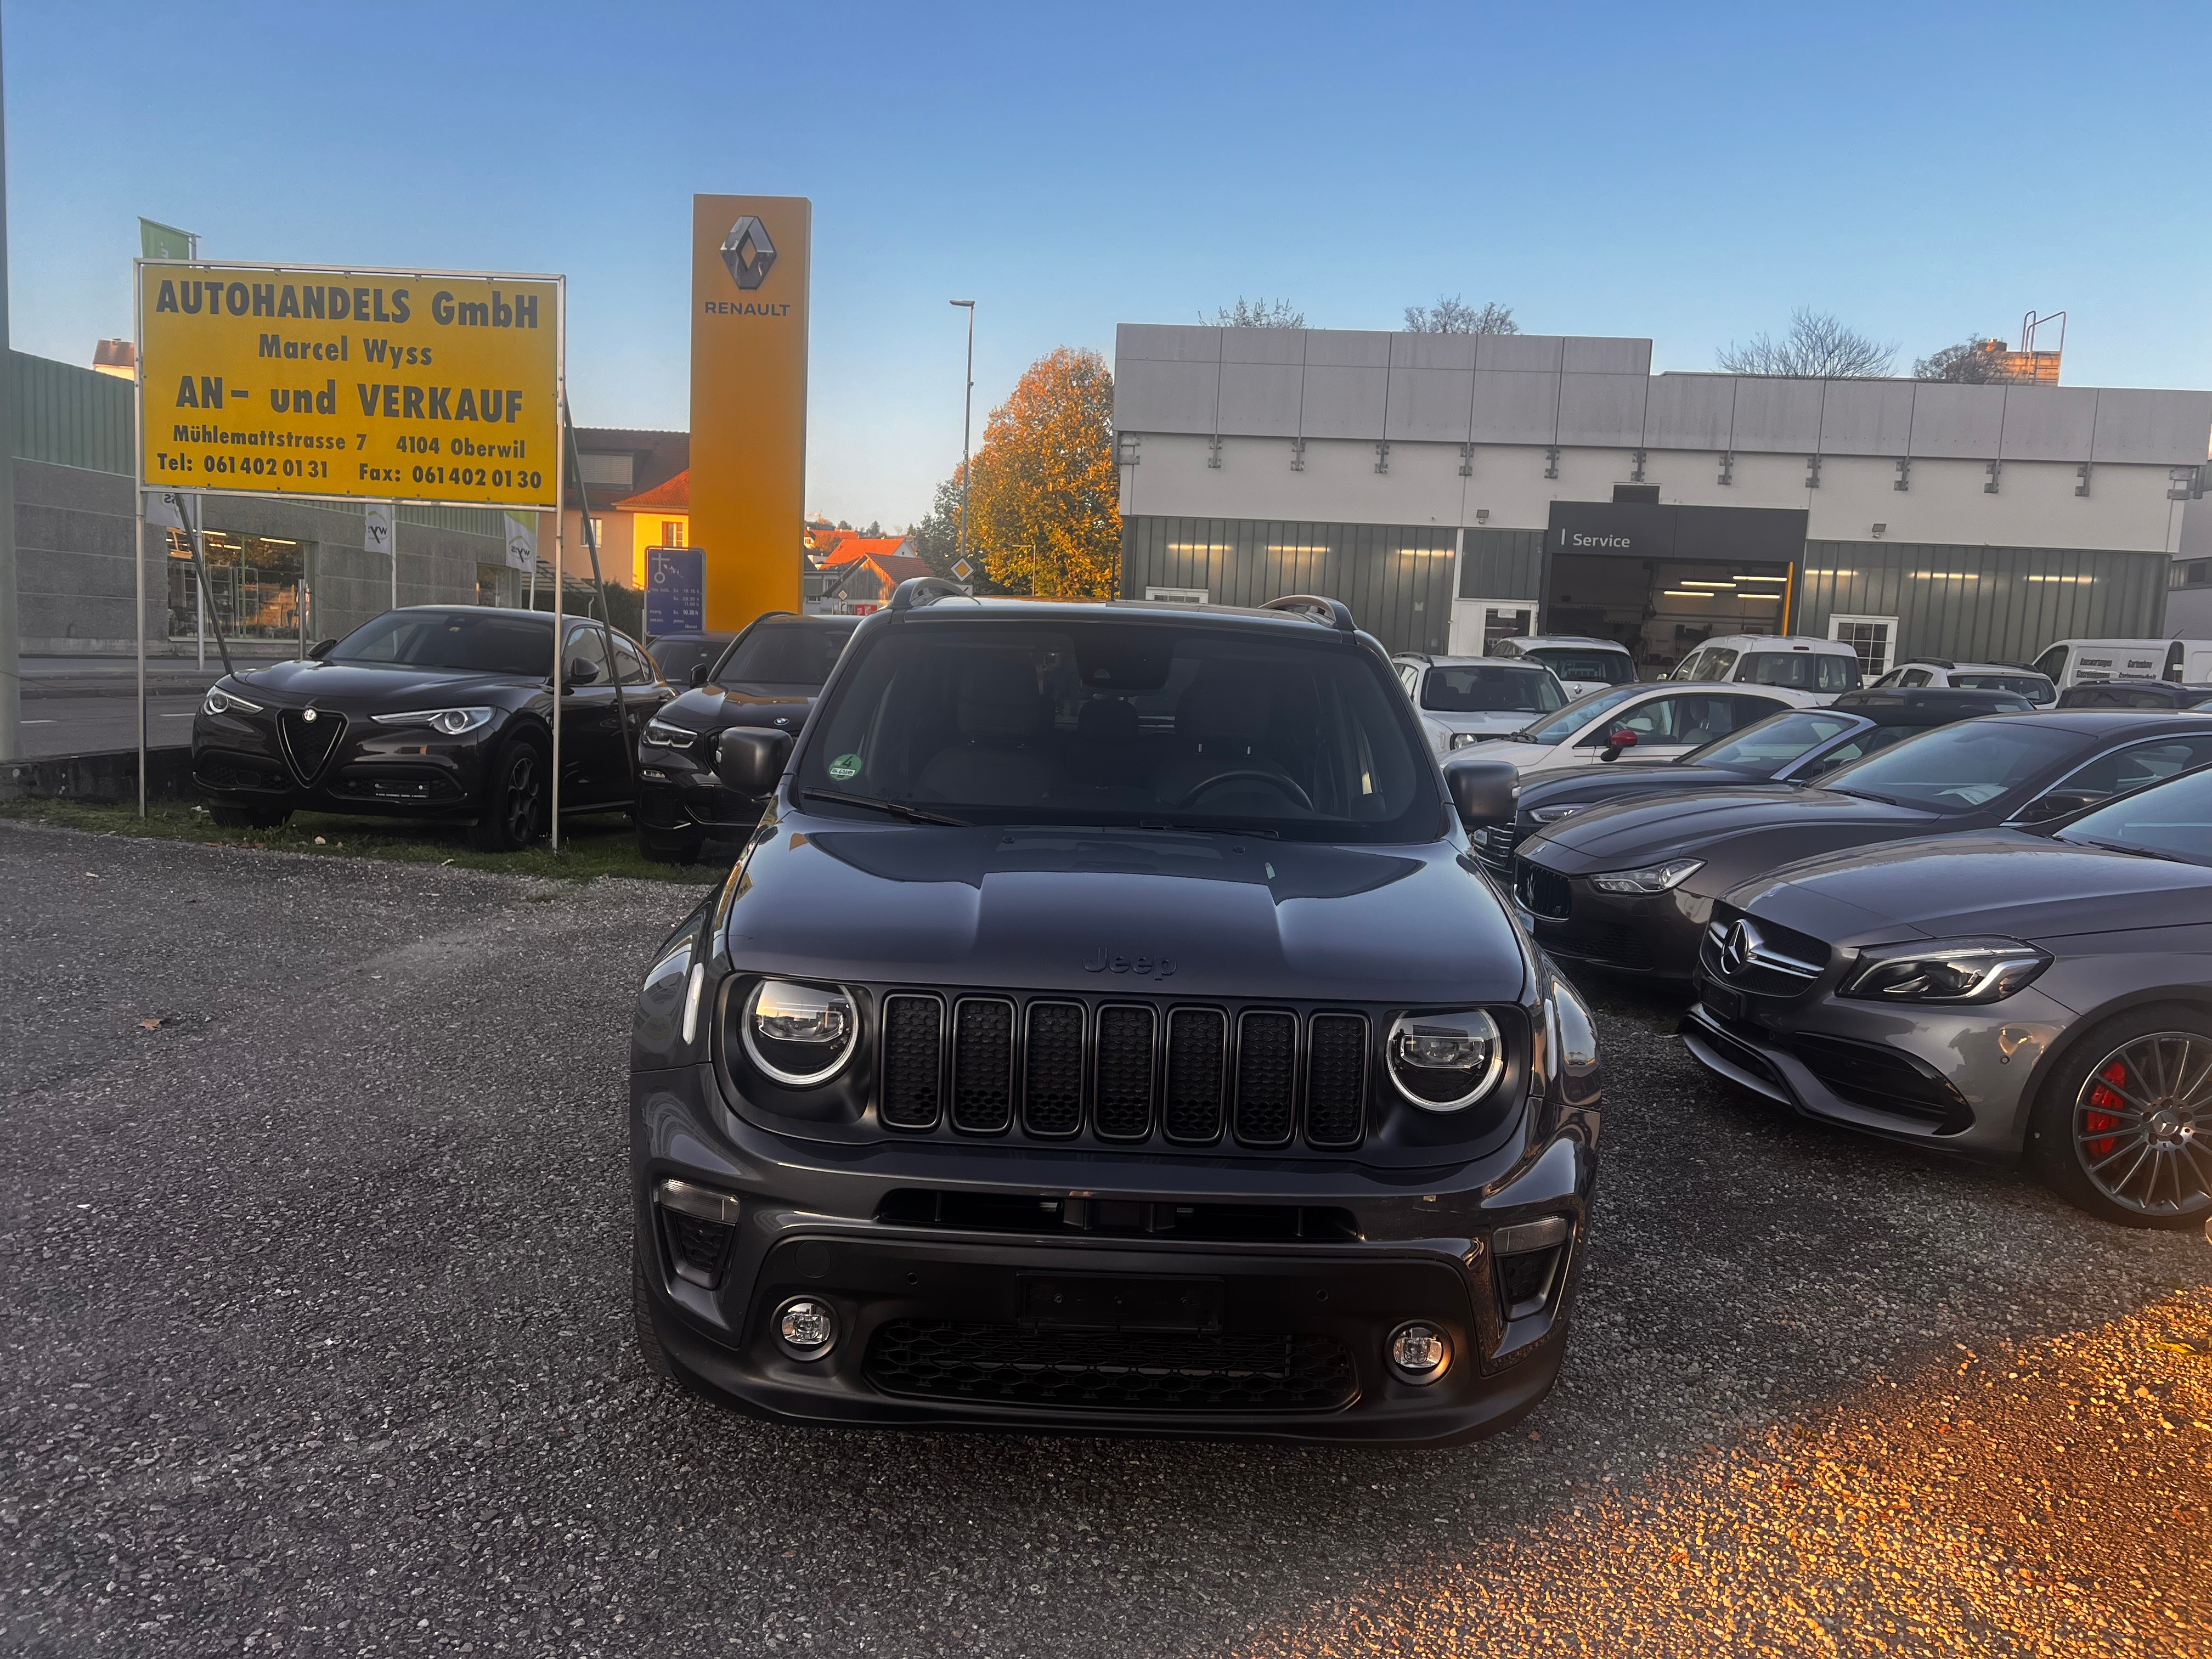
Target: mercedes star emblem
<point x="1738" y="947"/>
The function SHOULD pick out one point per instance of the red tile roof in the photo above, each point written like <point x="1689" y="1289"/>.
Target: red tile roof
<point x="670" y="496"/>
<point x="849" y="548"/>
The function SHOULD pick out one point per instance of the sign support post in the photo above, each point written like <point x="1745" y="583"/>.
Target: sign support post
<point x="138" y="545"/>
<point x="395" y="555"/>
<point x="559" y="565"/>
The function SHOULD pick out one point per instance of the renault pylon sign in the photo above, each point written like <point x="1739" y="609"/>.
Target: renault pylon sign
<point x="436" y="387"/>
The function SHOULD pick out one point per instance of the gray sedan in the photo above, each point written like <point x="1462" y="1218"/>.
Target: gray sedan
<point x="2046" y="993"/>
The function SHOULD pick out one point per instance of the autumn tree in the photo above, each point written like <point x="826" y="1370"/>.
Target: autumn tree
<point x="1044" y="502"/>
<point x="1975" y="361"/>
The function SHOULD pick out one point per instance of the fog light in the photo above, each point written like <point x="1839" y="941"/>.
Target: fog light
<point x="806" y="1328"/>
<point x="1418" y="1353"/>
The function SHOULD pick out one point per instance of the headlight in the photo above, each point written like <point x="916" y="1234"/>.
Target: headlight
<point x="1443" y="1062"/>
<point x="662" y="735"/>
<point x="1958" y="970"/>
<point x="220" y="702"/>
<point x="453" y="722"/>
<point x="1553" y="814"/>
<point x="1650" y="879"/>
<point x="799" y="1034"/>
<point x="1461" y="739"/>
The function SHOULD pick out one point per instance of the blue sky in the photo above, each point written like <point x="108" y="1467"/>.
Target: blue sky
<point x="1686" y="173"/>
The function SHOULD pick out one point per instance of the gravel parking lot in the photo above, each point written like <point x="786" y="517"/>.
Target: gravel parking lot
<point x="318" y="1340"/>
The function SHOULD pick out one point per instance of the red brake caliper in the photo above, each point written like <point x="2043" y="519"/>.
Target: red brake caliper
<point x="2094" y="1121"/>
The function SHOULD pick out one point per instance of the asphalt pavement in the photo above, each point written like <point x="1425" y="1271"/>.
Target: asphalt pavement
<point x="317" y="1339"/>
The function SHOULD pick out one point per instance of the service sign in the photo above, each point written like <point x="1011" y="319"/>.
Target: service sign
<point x="376" y="384"/>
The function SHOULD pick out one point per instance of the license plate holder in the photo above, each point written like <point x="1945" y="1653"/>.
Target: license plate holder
<point x="1726" y="1001"/>
<point x="1110" y="1302"/>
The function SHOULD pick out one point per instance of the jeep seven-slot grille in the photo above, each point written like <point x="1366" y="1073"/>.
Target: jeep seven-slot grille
<point x="1124" y="1070"/>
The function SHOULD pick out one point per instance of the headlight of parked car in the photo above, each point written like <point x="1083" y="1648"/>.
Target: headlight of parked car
<point x="1553" y="814"/>
<point x="220" y="702"/>
<point x="1467" y="739"/>
<point x="453" y="722"/>
<point x="1958" y="970"/>
<point x="799" y="1034"/>
<point x="1443" y="1062"/>
<point x="661" y="735"/>
<point x="1650" y="879"/>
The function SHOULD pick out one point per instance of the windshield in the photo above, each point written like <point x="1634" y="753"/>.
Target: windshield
<point x="1802" y="671"/>
<point x="461" y="641"/>
<point x="2033" y="687"/>
<point x="1111" y="723"/>
<point x="1579" y="713"/>
<point x="1763" y="749"/>
<point x="678" y="658"/>
<point x="1490" y="689"/>
<point x="786" y="654"/>
<point x="1572" y="663"/>
<point x="2174" y="817"/>
<point x="1956" y="768"/>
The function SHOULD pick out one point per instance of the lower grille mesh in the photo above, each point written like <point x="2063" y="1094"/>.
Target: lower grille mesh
<point x="1267" y="1077"/>
<point x="1112" y="1370"/>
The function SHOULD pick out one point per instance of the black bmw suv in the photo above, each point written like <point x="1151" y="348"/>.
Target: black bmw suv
<point x="1107" y="1027"/>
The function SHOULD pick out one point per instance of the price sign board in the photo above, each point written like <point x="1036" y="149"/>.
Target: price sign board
<point x="675" y="590"/>
<point x="261" y="379"/>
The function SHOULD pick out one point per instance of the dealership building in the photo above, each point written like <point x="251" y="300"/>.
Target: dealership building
<point x="1456" y="488"/>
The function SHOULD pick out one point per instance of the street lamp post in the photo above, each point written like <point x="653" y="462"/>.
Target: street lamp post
<point x="967" y="408"/>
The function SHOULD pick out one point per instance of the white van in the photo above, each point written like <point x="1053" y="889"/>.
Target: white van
<point x="2073" y="662"/>
<point x="1826" y="668"/>
<point x="1583" y="665"/>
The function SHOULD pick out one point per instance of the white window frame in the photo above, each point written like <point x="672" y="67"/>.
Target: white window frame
<point x="1868" y="670"/>
<point x="1481" y="609"/>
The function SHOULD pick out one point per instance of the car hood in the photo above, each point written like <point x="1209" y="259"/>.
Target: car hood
<point x="1647" y="829"/>
<point x="1126" y="911"/>
<point x="1557" y="785"/>
<point x="352" y="685"/>
<point x="2008" y="883"/>
<point x="712" y="707"/>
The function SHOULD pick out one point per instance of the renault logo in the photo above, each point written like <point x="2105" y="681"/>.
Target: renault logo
<point x="748" y="252"/>
<point x="1738" y="947"/>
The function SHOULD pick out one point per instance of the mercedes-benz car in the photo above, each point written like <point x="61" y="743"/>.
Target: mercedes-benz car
<point x="1631" y="886"/>
<point x="1107" y="1029"/>
<point x="769" y="677"/>
<point x="1795" y="746"/>
<point x="432" y="711"/>
<point x="2046" y="993"/>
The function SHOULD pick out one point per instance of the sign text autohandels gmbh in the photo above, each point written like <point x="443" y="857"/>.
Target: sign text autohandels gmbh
<point x="384" y="384"/>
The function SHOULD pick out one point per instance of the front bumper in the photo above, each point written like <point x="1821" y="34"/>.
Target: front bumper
<point x="1958" y="1079"/>
<point x="678" y="791"/>
<point x="931" y="1256"/>
<point x="1656" y="935"/>
<point x="371" y="769"/>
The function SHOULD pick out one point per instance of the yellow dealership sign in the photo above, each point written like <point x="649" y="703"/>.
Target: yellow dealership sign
<point x="376" y="384"/>
<point x="749" y="256"/>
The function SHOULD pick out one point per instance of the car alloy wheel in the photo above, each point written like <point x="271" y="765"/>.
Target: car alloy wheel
<point x="520" y="807"/>
<point x="2142" y="1124"/>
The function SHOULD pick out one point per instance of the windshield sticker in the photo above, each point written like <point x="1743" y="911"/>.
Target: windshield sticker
<point x="844" y="767"/>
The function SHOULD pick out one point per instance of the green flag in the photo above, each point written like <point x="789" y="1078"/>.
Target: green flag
<point x="159" y="242"/>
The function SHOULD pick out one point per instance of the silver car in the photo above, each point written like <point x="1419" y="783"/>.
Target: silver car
<point x="2045" y="992"/>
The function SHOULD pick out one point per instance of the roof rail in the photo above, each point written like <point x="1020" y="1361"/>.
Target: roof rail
<point x="925" y="590"/>
<point x="1332" y="612"/>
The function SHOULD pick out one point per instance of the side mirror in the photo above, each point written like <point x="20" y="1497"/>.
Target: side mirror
<point x="320" y="649"/>
<point x="698" y="673"/>
<point x="583" y="673"/>
<point x="1483" y="792"/>
<point x="1617" y="741"/>
<point x="751" y="758"/>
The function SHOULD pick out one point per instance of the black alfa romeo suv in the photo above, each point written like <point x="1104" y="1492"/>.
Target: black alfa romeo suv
<point x="1107" y="1029"/>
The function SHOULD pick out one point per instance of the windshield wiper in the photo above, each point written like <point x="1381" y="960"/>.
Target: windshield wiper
<point x="1858" y="794"/>
<point x="898" y="809"/>
<point x="1212" y="829"/>
<point x="2134" y="852"/>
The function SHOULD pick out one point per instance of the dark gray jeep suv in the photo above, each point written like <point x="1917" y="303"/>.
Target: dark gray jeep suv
<point x="1107" y="1027"/>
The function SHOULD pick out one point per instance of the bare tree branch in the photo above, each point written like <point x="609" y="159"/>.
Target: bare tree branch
<point x="1816" y="346"/>
<point x="1453" y="315"/>
<point x="1256" y="313"/>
